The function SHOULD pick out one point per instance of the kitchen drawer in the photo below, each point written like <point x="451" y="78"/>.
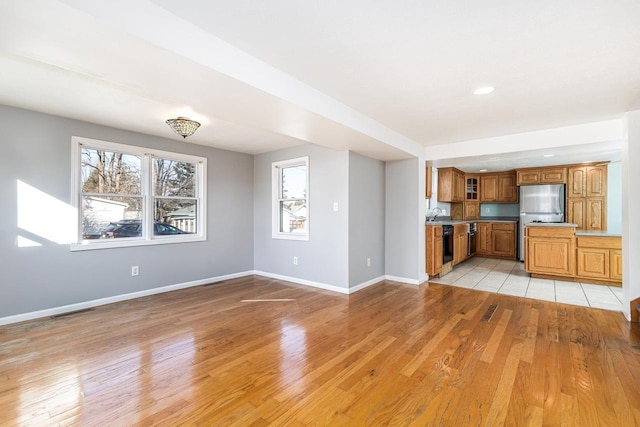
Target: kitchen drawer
<point x="541" y="231"/>
<point x="503" y="225"/>
<point x="604" y="242"/>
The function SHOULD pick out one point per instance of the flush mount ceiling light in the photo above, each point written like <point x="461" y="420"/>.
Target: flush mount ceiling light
<point x="484" y="90"/>
<point x="548" y="155"/>
<point x="183" y="126"/>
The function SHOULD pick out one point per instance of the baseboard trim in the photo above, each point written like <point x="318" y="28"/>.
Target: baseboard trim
<point x="403" y="280"/>
<point x="366" y="284"/>
<point x="303" y="282"/>
<point x="117" y="298"/>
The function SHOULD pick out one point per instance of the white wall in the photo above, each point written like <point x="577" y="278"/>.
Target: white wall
<point x="631" y="211"/>
<point x="614" y="197"/>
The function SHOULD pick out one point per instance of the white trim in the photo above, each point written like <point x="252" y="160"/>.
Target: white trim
<point x="366" y="284"/>
<point x="303" y="282"/>
<point x="402" y="280"/>
<point x="146" y="156"/>
<point x="117" y="298"/>
<point x="276" y="170"/>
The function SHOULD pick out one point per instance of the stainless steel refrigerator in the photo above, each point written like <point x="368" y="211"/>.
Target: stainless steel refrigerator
<point x="539" y="203"/>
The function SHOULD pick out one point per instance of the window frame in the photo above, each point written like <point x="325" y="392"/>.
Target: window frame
<point x="276" y="198"/>
<point x="146" y="183"/>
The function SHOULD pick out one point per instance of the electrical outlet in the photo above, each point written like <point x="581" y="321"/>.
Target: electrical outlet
<point x="295" y="260"/>
<point x="368" y="262"/>
<point x="135" y="270"/>
<point x="335" y="206"/>
<point x="486" y="210"/>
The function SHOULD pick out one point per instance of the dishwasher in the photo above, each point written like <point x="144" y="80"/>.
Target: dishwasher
<point x="447" y="243"/>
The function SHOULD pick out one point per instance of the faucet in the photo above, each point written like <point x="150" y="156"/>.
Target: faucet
<point x="434" y="214"/>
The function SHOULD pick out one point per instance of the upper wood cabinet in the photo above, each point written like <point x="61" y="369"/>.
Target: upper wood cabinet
<point x="472" y="190"/>
<point x="471" y="210"/>
<point x="428" y="177"/>
<point x="587" y="181"/>
<point x="553" y="175"/>
<point x="498" y="188"/>
<point x="451" y="185"/>
<point x="533" y="176"/>
<point x="587" y="197"/>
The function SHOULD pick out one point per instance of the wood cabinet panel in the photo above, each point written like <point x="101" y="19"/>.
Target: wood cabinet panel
<point x="451" y="185"/>
<point x="499" y="188"/>
<point x="488" y="188"/>
<point x="503" y="242"/>
<point x="615" y="266"/>
<point x="593" y="263"/>
<point x="576" y="208"/>
<point x="528" y="177"/>
<point x="428" y="175"/>
<point x="483" y="238"/>
<point x="460" y="243"/>
<point x="433" y="249"/>
<point x="596" y="214"/>
<point x="533" y="176"/>
<point x="553" y="175"/>
<point x="507" y="188"/>
<point x="555" y="256"/>
<point x="471" y="210"/>
<point x="576" y="182"/>
<point x="596" y="181"/>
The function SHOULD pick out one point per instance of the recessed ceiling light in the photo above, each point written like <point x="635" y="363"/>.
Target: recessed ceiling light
<point x="483" y="90"/>
<point x="548" y="155"/>
<point x="483" y="170"/>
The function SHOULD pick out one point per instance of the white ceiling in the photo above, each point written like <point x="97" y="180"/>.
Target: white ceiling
<point x="379" y="77"/>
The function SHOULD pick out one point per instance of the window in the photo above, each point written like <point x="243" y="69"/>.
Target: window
<point x="291" y="199"/>
<point x="129" y="196"/>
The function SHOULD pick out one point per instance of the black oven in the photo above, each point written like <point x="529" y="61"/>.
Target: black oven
<point x="471" y="242"/>
<point x="447" y="243"/>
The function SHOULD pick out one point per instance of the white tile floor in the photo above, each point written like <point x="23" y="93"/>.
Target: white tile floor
<point x="509" y="277"/>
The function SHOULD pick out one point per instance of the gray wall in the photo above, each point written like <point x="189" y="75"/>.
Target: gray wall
<point x="404" y="219"/>
<point x="324" y="258"/>
<point x="366" y="218"/>
<point x="36" y="150"/>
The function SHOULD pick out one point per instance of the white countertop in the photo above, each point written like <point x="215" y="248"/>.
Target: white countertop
<point x="597" y="233"/>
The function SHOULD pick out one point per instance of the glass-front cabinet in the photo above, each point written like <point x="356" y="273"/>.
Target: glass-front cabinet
<point x="472" y="194"/>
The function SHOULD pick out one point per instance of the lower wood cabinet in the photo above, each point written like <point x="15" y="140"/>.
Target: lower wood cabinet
<point x="599" y="257"/>
<point x="496" y="239"/>
<point x="550" y="250"/>
<point x="557" y="251"/>
<point x="434" y="249"/>
<point x="460" y="242"/>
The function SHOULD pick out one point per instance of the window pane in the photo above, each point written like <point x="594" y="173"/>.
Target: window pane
<point x="179" y="213"/>
<point x="173" y="178"/>
<point x="100" y="214"/>
<point x="293" y="216"/>
<point x="294" y="182"/>
<point x="110" y="172"/>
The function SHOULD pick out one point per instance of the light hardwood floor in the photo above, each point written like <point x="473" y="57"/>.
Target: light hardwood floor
<point x="256" y="351"/>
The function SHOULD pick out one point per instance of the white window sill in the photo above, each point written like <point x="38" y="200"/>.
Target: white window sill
<point x="283" y="236"/>
<point x="127" y="243"/>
